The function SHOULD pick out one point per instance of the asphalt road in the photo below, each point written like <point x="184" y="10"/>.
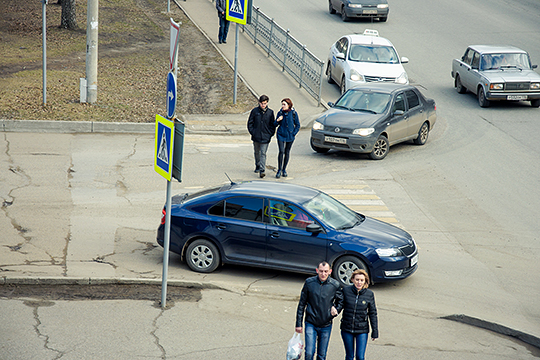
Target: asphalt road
<point x="478" y="178"/>
<point x="87" y="206"/>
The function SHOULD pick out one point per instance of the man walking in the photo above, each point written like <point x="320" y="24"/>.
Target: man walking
<point x="261" y="127"/>
<point x="321" y="300"/>
<point x="223" y="22"/>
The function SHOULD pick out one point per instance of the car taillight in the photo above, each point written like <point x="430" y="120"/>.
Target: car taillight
<point x="163" y="214"/>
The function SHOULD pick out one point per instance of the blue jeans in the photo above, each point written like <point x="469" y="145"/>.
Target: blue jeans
<point x="223" y="28"/>
<point x="320" y="335"/>
<point x="350" y="340"/>
<point x="260" y="155"/>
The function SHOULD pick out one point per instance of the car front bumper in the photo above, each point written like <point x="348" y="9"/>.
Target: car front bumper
<point x="492" y="95"/>
<point x="343" y="142"/>
<point x="388" y="269"/>
<point x="364" y="12"/>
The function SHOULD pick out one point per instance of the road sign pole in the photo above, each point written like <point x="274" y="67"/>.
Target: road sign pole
<point x="236" y="62"/>
<point x="166" y="245"/>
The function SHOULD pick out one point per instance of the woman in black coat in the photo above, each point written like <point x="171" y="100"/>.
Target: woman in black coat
<point x="358" y="306"/>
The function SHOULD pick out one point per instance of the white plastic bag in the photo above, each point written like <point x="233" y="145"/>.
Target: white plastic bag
<point x="294" y="350"/>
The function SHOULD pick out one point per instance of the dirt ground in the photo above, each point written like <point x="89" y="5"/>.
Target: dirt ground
<point x="133" y="59"/>
<point x="99" y="292"/>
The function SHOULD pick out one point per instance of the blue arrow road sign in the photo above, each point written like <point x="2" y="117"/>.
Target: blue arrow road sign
<point x="171" y="95"/>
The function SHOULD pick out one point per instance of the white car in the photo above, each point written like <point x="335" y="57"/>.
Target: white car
<point x="358" y="59"/>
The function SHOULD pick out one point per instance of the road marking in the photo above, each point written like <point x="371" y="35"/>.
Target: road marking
<point x="363" y="199"/>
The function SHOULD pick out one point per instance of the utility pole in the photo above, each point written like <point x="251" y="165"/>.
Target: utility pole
<point x="92" y="50"/>
<point x="44" y="34"/>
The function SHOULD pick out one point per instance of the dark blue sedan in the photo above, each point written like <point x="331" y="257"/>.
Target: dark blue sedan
<point x="286" y="227"/>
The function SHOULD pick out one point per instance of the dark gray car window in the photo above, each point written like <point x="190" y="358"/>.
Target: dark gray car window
<point x="467" y="58"/>
<point x="399" y="104"/>
<point x="476" y="61"/>
<point x="412" y="99"/>
<point x="245" y="208"/>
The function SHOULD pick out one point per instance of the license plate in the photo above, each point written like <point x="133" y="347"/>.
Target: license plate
<point x="335" y="140"/>
<point x="370" y="11"/>
<point x="414" y="260"/>
<point x="516" y="97"/>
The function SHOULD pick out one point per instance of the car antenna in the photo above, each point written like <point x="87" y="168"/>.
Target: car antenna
<point x="232" y="182"/>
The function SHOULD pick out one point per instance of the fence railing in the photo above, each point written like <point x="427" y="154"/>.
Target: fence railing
<point x="289" y="53"/>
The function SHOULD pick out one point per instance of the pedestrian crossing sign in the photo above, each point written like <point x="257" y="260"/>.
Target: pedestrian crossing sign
<point x="237" y="11"/>
<point x="163" y="147"/>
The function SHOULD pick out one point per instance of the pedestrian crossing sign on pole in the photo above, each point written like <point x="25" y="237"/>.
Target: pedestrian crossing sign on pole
<point x="163" y="149"/>
<point x="237" y="11"/>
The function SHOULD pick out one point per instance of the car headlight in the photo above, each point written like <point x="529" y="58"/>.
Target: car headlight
<point x="388" y="252"/>
<point x="403" y="78"/>
<point x="535" y="86"/>
<point x="363" y="132"/>
<point x="496" y="86"/>
<point x="382" y="6"/>
<point x="356" y="76"/>
<point x="318" y="126"/>
<point x="355" y="5"/>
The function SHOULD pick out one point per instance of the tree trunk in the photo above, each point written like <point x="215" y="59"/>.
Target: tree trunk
<point x="69" y="20"/>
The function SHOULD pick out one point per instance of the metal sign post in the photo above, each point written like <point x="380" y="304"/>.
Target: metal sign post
<point x="237" y="11"/>
<point x="164" y="150"/>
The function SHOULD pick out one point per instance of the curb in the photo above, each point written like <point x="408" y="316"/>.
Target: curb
<point x="499" y="329"/>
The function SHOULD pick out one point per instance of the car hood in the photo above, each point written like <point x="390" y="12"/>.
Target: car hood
<point x="511" y="75"/>
<point x="348" y="119"/>
<point x="375" y="69"/>
<point x="380" y="234"/>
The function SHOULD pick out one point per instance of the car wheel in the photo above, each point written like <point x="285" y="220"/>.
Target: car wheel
<point x="380" y="150"/>
<point x="344" y="16"/>
<point x="423" y="134"/>
<point x="329" y="74"/>
<point x="535" y="103"/>
<point x="482" y="98"/>
<point x="344" y="267"/>
<point x="318" y="149"/>
<point x="383" y="19"/>
<point x="459" y="86"/>
<point x="202" y="256"/>
<point x="343" y="86"/>
<point x="331" y="9"/>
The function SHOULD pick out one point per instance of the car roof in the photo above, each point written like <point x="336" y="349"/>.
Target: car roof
<point x="286" y="191"/>
<point x="369" y="40"/>
<point x="487" y="49"/>
<point x="383" y="87"/>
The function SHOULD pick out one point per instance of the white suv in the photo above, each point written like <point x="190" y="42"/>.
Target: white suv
<point x="357" y="59"/>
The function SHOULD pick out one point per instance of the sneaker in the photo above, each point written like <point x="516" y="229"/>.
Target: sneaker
<point x="262" y="174"/>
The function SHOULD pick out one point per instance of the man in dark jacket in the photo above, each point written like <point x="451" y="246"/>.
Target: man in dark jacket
<point x="223" y="22"/>
<point x="261" y="127"/>
<point x="321" y="300"/>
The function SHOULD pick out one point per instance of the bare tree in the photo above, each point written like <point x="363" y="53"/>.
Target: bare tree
<point x="69" y="20"/>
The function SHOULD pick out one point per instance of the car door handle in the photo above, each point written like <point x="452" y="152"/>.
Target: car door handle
<point x="221" y="227"/>
<point x="275" y="234"/>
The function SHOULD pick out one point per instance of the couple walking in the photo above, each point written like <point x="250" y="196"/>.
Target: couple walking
<point x="322" y="299"/>
<point x="262" y="127"/>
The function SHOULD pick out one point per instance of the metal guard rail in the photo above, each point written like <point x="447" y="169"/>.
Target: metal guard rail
<point x="289" y="53"/>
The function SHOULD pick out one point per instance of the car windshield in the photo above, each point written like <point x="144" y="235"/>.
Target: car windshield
<point x="367" y="101"/>
<point x="373" y="54"/>
<point x="332" y="212"/>
<point x="505" y="61"/>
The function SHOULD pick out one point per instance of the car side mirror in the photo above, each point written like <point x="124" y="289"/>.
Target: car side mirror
<point x="340" y="56"/>
<point x="331" y="104"/>
<point x="534" y="66"/>
<point x="404" y="60"/>
<point x="399" y="112"/>
<point x="314" y="228"/>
